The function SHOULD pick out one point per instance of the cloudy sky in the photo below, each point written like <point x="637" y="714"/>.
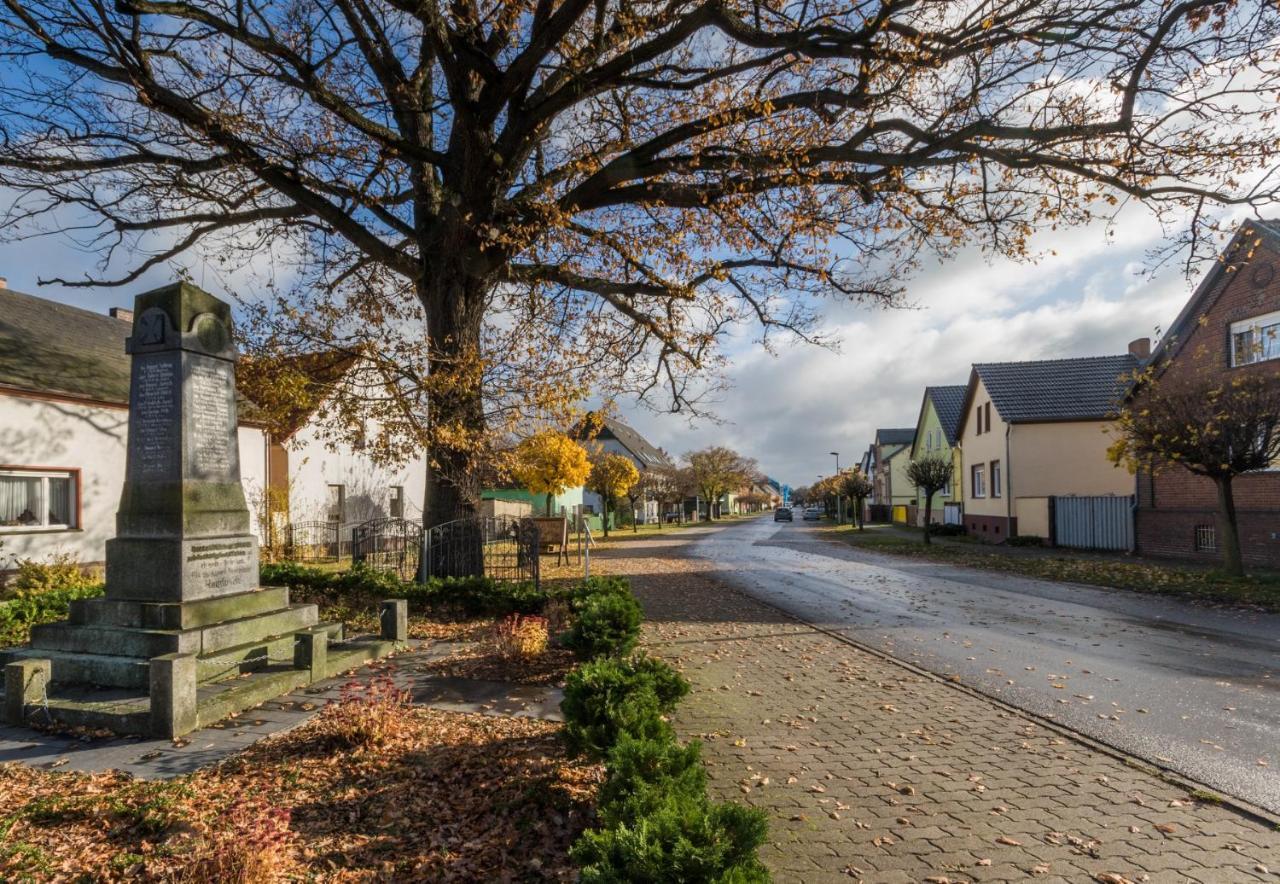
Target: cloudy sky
<point x="1089" y="293"/>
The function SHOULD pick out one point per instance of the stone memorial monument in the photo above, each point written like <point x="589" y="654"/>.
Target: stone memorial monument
<point x="182" y="606"/>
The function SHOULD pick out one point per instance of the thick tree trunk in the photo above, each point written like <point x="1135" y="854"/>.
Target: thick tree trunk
<point x="928" y="513"/>
<point x="453" y="299"/>
<point x="452" y="291"/>
<point x="604" y="522"/>
<point x="550" y="500"/>
<point x="1228" y="529"/>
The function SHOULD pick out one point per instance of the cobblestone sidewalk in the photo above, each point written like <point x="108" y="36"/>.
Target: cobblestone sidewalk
<point x="873" y="773"/>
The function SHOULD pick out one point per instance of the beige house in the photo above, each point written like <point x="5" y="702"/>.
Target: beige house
<point x="1031" y="431"/>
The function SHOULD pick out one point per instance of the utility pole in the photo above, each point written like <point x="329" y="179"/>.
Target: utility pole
<point x="839" y="497"/>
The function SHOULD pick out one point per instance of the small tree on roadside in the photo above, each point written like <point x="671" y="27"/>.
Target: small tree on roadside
<point x="718" y="470"/>
<point x="1210" y="424"/>
<point x="550" y="463"/>
<point x="929" y="474"/>
<point x="857" y="487"/>
<point x="636" y="494"/>
<point x="612" y="476"/>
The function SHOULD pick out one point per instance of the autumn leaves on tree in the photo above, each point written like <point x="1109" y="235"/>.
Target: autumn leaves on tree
<point x="550" y="463"/>
<point x="503" y="206"/>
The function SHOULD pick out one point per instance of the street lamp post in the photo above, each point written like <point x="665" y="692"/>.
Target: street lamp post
<point x="839" y="498"/>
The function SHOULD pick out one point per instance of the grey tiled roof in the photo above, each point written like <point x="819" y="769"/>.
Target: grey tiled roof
<point x="1087" y="388"/>
<point x="47" y="347"/>
<point x="948" y="403"/>
<point x="52" y="348"/>
<point x="635" y="443"/>
<point x="896" y="436"/>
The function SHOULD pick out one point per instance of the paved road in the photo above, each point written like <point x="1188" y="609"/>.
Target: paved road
<point x="1192" y="688"/>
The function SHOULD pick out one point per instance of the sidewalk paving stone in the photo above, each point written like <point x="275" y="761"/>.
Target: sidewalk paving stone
<point x="871" y="771"/>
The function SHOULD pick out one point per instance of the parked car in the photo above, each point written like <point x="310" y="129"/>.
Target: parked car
<point x="782" y="514"/>
<point x="812" y="514"/>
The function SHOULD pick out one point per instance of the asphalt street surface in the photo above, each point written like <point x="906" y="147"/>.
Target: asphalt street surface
<point x="1190" y="687"/>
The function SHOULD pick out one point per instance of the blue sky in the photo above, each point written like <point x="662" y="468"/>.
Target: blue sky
<point x="1088" y="294"/>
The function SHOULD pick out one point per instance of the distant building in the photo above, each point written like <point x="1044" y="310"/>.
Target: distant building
<point x="64" y="390"/>
<point x="613" y="436"/>
<point x="891" y="454"/>
<point x="1030" y="431"/>
<point x="935" y="436"/>
<point x="1231" y="326"/>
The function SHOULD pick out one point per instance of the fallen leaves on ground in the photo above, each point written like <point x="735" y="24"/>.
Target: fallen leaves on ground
<point x="446" y="797"/>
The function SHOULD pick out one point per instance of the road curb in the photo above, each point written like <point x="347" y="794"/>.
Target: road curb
<point x="1239" y="805"/>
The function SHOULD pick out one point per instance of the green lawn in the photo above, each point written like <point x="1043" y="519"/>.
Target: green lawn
<point x="1139" y="575"/>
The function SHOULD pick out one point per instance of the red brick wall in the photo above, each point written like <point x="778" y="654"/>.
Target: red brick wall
<point x="1172" y="503"/>
<point x="990" y="529"/>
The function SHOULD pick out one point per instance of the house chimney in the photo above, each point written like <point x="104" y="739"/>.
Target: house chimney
<point x="1140" y="349"/>
<point x="124" y="314"/>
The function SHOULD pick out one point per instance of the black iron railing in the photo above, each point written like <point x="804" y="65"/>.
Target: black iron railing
<point x="500" y="547"/>
<point x="388" y="545"/>
<point x="313" y="542"/>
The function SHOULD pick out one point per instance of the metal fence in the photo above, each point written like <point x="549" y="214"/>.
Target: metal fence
<point x="313" y="542"/>
<point x="1093" y="522"/>
<point x="500" y="547"/>
<point x="388" y="545"/>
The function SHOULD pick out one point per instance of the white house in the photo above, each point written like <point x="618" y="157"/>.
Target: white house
<point x="615" y="437"/>
<point x="64" y="388"/>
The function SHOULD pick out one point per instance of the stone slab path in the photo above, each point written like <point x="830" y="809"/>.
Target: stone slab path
<point x="162" y="759"/>
<point x="873" y="772"/>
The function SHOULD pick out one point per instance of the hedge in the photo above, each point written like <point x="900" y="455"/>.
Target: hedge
<point x="474" y="596"/>
<point x="656" y="823"/>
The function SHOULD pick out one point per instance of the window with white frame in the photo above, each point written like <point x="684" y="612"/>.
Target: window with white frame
<point x="38" y="500"/>
<point x="396" y="502"/>
<point x="995" y="479"/>
<point x="979" y="481"/>
<point x="1256" y="339"/>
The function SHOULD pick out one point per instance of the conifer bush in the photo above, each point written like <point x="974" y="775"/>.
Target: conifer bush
<point x="640" y="773"/>
<point x="606" y="624"/>
<point x="685" y="838"/>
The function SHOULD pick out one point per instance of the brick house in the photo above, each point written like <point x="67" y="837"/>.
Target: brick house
<point x="1032" y="431"/>
<point x="1231" y="324"/>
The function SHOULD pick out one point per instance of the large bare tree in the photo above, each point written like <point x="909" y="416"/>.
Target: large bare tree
<point x="504" y="203"/>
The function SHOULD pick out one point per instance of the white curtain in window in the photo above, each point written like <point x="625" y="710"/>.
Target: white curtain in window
<point x="20" y="500"/>
<point x="59" y="501"/>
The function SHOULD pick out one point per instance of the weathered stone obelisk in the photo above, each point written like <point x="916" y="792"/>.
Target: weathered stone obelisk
<point x="182" y="531"/>
<point x="182" y="605"/>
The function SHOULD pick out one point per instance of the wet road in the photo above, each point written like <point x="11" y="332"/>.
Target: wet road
<point x="1191" y="688"/>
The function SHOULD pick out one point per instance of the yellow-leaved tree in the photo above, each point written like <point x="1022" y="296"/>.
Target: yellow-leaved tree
<point x="612" y="476"/>
<point x="550" y="463"/>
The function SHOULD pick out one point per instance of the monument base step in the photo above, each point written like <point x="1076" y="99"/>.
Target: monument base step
<point x="119" y="656"/>
<point x="108" y="611"/>
<point x="127" y="710"/>
<point x="203" y="641"/>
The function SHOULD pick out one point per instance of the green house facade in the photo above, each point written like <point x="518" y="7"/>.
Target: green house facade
<point x="940" y="411"/>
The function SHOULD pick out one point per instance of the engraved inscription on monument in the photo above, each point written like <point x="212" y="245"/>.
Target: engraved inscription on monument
<point x="221" y="564"/>
<point x="154" y="422"/>
<point x="210" y="421"/>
